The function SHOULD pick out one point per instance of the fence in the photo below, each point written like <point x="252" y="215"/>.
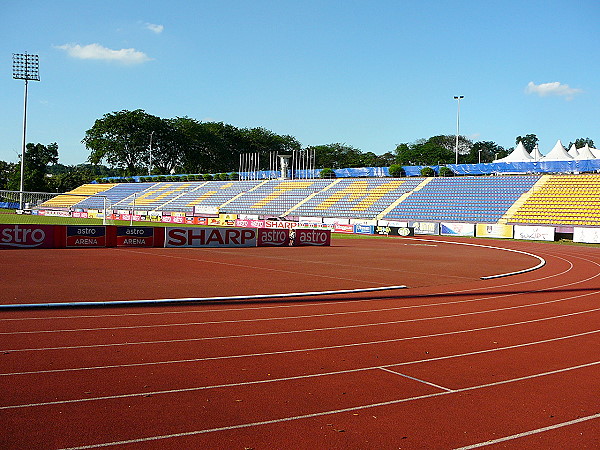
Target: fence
<point x="51" y="208"/>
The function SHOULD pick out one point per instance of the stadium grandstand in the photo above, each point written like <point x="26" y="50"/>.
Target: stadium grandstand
<point x="557" y="200"/>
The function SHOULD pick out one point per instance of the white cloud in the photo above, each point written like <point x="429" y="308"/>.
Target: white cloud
<point x="97" y="51"/>
<point x="155" y="28"/>
<point x="555" y="88"/>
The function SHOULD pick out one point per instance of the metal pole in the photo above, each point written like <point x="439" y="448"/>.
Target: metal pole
<point x="22" y="184"/>
<point x="457" y="97"/>
<point x="150" y="165"/>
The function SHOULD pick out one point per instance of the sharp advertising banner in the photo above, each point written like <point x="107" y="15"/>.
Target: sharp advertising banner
<point x="210" y="237"/>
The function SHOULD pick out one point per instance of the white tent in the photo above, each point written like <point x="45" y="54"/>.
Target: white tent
<point x="595" y="152"/>
<point x="573" y="151"/>
<point x="535" y="153"/>
<point x="558" y="153"/>
<point x="519" y="154"/>
<point x="585" y="153"/>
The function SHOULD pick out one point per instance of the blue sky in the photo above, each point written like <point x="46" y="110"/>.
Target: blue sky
<point x="371" y="74"/>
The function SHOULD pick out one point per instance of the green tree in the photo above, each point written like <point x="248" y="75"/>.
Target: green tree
<point x="6" y="170"/>
<point x="488" y="150"/>
<point x="435" y="150"/>
<point x="37" y="159"/>
<point x="581" y="143"/>
<point x="397" y="171"/>
<point x="529" y="141"/>
<point x="122" y="139"/>
<point x="337" y="156"/>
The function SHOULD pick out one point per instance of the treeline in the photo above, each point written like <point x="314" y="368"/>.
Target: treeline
<point x="138" y="142"/>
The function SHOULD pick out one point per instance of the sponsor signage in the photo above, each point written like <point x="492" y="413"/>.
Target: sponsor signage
<point x="364" y="229"/>
<point x="306" y="237"/>
<point x="210" y="237"/>
<point x="425" y="227"/>
<point x="343" y="228"/>
<point x="395" y="231"/>
<point x="273" y="238"/>
<point x="457" y="229"/>
<point x="280" y="224"/>
<point x="135" y="236"/>
<point x="250" y="223"/>
<point x="86" y="236"/>
<point x="533" y="233"/>
<point x="494" y="230"/>
<point x="26" y="236"/>
<point x="587" y="235"/>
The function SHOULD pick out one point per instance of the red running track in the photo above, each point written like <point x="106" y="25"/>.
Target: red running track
<point x="451" y="362"/>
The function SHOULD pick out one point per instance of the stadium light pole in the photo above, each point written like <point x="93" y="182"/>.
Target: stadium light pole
<point x="25" y="67"/>
<point x="458" y="98"/>
<point x="150" y="165"/>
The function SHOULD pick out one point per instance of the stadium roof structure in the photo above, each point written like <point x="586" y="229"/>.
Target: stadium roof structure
<point x="536" y="154"/>
<point x="573" y="151"/>
<point x="558" y="153"/>
<point x="585" y="153"/>
<point x="519" y="154"/>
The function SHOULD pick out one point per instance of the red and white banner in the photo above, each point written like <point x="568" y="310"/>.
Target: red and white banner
<point x="210" y="237"/>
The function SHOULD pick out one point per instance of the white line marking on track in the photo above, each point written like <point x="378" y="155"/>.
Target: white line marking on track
<point x="296" y="305"/>
<point x="326" y="413"/>
<point x="531" y="432"/>
<point x="298" y="377"/>
<point x="416" y="379"/>
<point x="249" y="355"/>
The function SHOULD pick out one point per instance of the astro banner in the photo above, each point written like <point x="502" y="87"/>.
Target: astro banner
<point x="26" y="236"/>
<point x="86" y="236"/>
<point x="311" y="236"/>
<point x="273" y="238"/>
<point x="210" y="237"/>
<point x="135" y="236"/>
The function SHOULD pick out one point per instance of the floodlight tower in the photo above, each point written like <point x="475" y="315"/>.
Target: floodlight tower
<point x="458" y="98"/>
<point x="25" y="67"/>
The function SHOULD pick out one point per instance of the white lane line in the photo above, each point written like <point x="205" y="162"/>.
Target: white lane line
<point x="435" y="294"/>
<point x="299" y="377"/>
<point x="301" y="350"/>
<point x="416" y="379"/>
<point x="326" y="413"/>
<point x="421" y="319"/>
<point x="531" y="432"/>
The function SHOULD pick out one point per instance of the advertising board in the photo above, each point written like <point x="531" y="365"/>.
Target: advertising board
<point x="343" y="228"/>
<point x="587" y="235"/>
<point x="429" y="228"/>
<point x="494" y="230"/>
<point x="311" y="237"/>
<point x="135" y="236"/>
<point x="364" y="229"/>
<point x="26" y="236"/>
<point x="210" y="237"/>
<point x="457" y="229"/>
<point x="85" y="236"/>
<point x="395" y="231"/>
<point x="273" y="238"/>
<point x="534" y="233"/>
